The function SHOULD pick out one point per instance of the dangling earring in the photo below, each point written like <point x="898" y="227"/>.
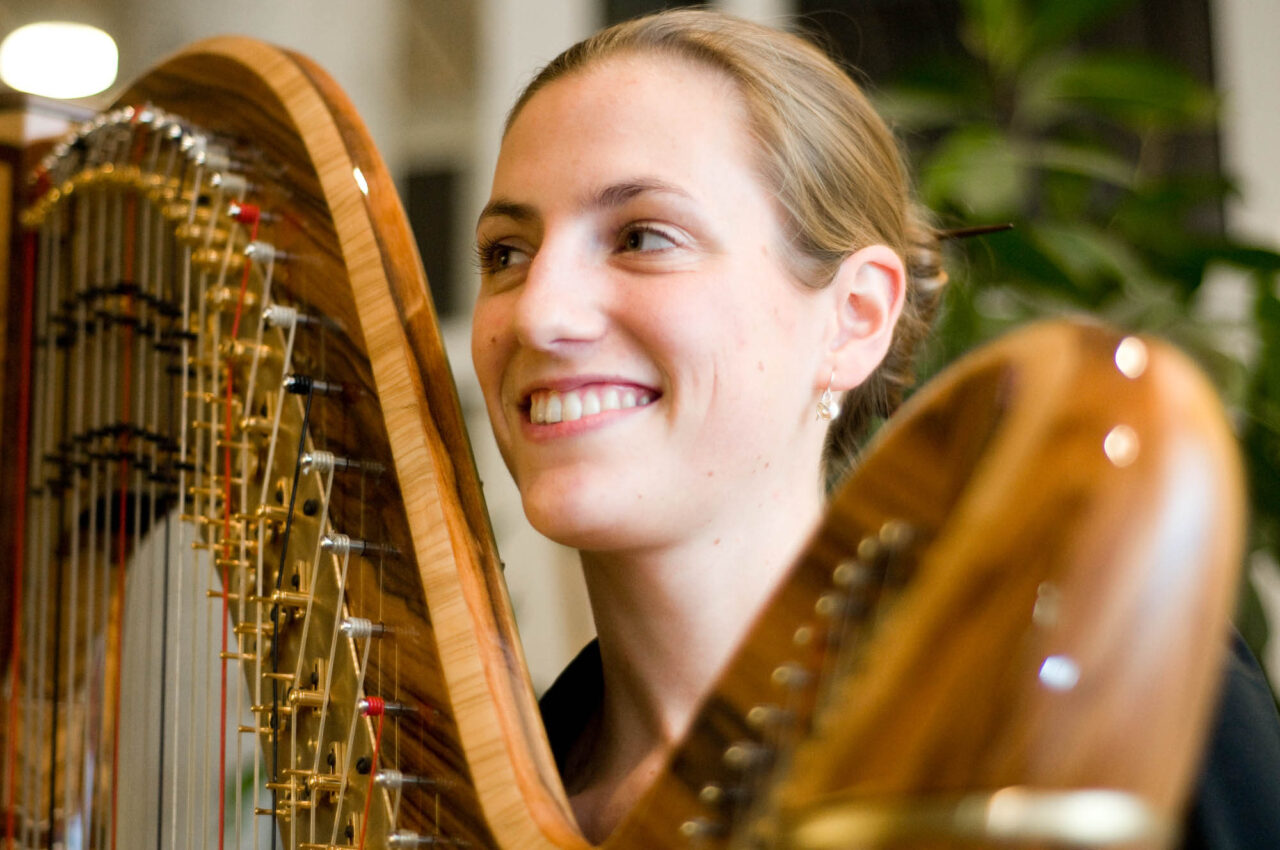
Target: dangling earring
<point x="828" y="405"/>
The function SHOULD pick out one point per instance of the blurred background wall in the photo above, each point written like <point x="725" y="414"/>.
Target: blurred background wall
<point x="433" y="80"/>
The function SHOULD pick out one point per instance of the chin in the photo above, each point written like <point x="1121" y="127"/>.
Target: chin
<point x="583" y="517"/>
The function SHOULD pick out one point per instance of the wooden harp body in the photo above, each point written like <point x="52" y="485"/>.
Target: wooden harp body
<point x="259" y="603"/>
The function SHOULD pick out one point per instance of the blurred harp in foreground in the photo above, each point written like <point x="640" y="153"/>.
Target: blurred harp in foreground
<point x="258" y="603"/>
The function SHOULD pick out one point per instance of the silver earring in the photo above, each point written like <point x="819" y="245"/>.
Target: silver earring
<point x="828" y="405"/>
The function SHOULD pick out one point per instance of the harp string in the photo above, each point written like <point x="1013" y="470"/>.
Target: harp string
<point x="126" y="286"/>
<point x="207" y="488"/>
<point x="313" y="583"/>
<point x="227" y="542"/>
<point x="260" y="586"/>
<point x="162" y="443"/>
<point x="243" y="585"/>
<point x="41" y="815"/>
<point x="74" y="751"/>
<point x="109" y="271"/>
<point x="186" y="560"/>
<point x="351" y="737"/>
<point x="113" y="270"/>
<point x="275" y="615"/>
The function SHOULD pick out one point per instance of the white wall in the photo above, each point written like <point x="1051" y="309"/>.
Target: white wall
<point x="1248" y="70"/>
<point x="359" y="44"/>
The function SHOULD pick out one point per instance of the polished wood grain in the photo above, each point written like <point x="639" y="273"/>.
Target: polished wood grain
<point x="1027" y="543"/>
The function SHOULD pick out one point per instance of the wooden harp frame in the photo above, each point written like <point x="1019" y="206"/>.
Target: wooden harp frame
<point x="1070" y="493"/>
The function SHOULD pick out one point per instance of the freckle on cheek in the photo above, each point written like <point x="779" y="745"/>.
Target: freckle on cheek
<point x="760" y="365"/>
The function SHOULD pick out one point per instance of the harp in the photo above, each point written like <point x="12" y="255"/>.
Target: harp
<point x="258" y="603"/>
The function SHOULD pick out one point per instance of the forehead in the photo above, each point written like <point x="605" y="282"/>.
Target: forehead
<point x="662" y="116"/>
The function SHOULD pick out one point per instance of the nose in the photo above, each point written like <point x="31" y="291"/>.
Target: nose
<point x="560" y="303"/>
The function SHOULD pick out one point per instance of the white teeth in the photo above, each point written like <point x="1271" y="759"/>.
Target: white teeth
<point x="572" y="403"/>
<point x="547" y="407"/>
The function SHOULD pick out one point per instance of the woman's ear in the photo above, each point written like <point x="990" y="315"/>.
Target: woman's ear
<point x="869" y="290"/>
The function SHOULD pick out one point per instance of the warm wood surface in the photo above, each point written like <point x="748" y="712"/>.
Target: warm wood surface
<point x="1000" y="468"/>
<point x="290" y="109"/>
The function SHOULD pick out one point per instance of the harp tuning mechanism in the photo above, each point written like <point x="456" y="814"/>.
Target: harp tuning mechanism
<point x="264" y="252"/>
<point x="341" y="544"/>
<point x="406" y="839"/>
<point x="282" y="316"/>
<point x="305" y="384"/>
<point x="359" y="627"/>
<point x="394" y="779"/>
<point x="374" y="706"/>
<point x="324" y="462"/>
<point x="232" y="184"/>
<point x="702" y="828"/>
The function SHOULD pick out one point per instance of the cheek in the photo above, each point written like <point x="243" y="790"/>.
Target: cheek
<point x="489" y="335"/>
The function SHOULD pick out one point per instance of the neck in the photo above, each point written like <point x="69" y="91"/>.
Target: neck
<point x="670" y="618"/>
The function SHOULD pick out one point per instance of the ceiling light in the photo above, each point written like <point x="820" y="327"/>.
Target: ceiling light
<point x="58" y="59"/>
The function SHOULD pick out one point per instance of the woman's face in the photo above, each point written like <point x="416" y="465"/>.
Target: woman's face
<point x="648" y="365"/>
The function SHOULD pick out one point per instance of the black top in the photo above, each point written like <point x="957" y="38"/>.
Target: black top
<point x="1236" y="805"/>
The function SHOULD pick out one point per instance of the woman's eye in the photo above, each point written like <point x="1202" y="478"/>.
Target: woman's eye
<point x="498" y="256"/>
<point x="646" y="239"/>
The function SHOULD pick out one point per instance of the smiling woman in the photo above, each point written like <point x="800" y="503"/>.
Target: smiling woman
<point x="700" y="237"/>
<point x="657" y="324"/>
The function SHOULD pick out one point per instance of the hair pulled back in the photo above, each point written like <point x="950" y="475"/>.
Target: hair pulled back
<point x="828" y="158"/>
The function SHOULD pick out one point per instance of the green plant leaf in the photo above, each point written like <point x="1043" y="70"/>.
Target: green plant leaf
<point x="1056" y="22"/>
<point x="1091" y="258"/>
<point x="996" y="31"/>
<point x="925" y="109"/>
<point x="977" y="171"/>
<point x="1084" y="160"/>
<point x="1014" y="258"/>
<point x="1139" y="92"/>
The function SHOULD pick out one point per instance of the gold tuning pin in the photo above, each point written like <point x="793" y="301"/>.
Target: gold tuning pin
<point x="227" y="297"/>
<point x="290" y="598"/>
<point x="200" y="234"/>
<point x="237" y="656"/>
<point x="324" y="783"/>
<point x="305" y="698"/>
<point x="283" y="710"/>
<point x="211" y="259"/>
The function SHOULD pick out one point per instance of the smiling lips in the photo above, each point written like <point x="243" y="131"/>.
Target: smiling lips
<point x="547" y="407"/>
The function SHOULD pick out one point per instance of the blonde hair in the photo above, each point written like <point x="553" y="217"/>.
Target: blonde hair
<point x="828" y="157"/>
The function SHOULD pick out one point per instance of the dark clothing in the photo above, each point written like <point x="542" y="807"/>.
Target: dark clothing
<point x="1236" y="804"/>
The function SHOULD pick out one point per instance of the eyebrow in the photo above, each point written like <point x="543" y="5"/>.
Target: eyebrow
<point x="610" y="197"/>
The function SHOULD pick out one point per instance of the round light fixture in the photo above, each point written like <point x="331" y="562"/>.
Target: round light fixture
<point x="58" y="59"/>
